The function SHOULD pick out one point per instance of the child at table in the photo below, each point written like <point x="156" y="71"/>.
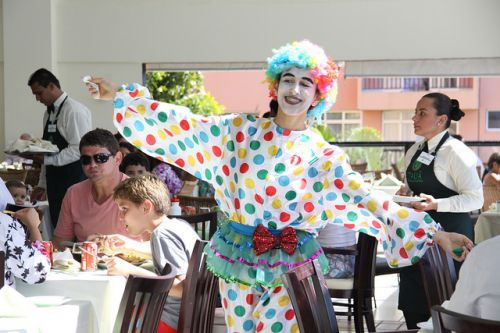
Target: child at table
<point x="134" y="164"/>
<point x="143" y="202"/>
<point x="18" y="191"/>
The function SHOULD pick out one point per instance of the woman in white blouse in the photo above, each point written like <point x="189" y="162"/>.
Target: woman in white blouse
<point x="441" y="170"/>
<point x="23" y="259"/>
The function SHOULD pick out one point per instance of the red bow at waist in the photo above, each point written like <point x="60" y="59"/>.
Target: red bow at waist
<point x="264" y="240"/>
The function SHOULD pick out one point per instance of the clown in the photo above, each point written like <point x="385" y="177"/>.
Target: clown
<point x="277" y="182"/>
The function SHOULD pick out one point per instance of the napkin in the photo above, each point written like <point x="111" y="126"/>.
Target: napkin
<point x="63" y="255"/>
<point x="13" y="304"/>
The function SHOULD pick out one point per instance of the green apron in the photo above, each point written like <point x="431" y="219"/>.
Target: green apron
<point x="421" y="179"/>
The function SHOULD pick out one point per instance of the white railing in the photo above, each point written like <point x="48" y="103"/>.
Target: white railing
<point x="416" y="83"/>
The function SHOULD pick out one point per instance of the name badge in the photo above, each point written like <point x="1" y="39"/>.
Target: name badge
<point x="52" y="128"/>
<point x="425" y="158"/>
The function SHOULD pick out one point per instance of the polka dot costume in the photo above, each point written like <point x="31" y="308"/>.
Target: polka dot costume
<point x="264" y="174"/>
<point x="250" y="309"/>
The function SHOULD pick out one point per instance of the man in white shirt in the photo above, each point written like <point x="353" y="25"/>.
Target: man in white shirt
<point x="65" y="122"/>
<point x="478" y="291"/>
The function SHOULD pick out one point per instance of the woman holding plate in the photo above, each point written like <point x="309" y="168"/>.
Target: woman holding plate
<point x="442" y="171"/>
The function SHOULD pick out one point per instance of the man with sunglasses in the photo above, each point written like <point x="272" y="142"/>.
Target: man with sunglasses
<point x="65" y="122"/>
<point x="88" y="208"/>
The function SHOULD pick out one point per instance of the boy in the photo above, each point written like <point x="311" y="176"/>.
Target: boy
<point x="143" y="202"/>
<point x="134" y="164"/>
<point x="18" y="191"/>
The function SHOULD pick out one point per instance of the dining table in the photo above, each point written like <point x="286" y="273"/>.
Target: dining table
<point x="53" y="315"/>
<point x="487" y="225"/>
<point x="103" y="292"/>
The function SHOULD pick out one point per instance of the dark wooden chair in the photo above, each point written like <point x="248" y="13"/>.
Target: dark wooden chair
<point x="199" y="295"/>
<point x="197" y="202"/>
<point x="361" y="288"/>
<point x="446" y="321"/>
<point x="13" y="174"/>
<point x="2" y="269"/>
<point x="438" y="275"/>
<point x="383" y="268"/>
<point x="311" y="302"/>
<point x="205" y="224"/>
<point x="142" y="304"/>
<point x="397" y="173"/>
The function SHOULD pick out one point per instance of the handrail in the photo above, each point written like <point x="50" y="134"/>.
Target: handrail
<point x="405" y="144"/>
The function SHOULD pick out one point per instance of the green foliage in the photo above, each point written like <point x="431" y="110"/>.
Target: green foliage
<point x="325" y="131"/>
<point x="183" y="88"/>
<point x="372" y="156"/>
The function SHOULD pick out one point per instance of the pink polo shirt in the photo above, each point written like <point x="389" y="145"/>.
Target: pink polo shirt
<point x="81" y="216"/>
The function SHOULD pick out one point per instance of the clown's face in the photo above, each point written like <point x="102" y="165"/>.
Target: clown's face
<point x="296" y="91"/>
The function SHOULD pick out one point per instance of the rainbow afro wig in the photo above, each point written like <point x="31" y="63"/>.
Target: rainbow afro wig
<point x="305" y="55"/>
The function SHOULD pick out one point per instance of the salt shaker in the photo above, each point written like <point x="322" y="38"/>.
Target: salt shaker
<point x="175" y="208"/>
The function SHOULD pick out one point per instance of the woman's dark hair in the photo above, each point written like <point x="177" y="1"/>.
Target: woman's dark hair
<point x="444" y="105"/>
<point x="43" y="77"/>
<point x="273" y="109"/>
<point x="495" y="157"/>
<point x="127" y="145"/>
<point x="100" y="137"/>
<point x="136" y="158"/>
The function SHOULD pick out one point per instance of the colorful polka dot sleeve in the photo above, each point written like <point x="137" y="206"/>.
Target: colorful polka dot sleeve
<point x="264" y="174"/>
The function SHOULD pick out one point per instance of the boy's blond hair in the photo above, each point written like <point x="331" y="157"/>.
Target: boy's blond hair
<point x="138" y="189"/>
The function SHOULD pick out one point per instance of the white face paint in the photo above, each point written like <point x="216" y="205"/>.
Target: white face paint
<point x="296" y="91"/>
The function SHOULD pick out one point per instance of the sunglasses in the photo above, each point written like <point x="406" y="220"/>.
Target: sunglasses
<point x="99" y="158"/>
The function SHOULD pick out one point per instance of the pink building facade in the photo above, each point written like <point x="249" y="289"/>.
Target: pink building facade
<point x="386" y="104"/>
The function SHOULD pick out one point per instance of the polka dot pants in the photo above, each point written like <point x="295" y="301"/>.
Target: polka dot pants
<point x="257" y="309"/>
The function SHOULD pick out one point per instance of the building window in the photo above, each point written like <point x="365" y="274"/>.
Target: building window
<point x="342" y="123"/>
<point x="415" y="83"/>
<point x="398" y="126"/>
<point x="493" y="120"/>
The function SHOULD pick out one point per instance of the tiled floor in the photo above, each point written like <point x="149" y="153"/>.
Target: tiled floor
<point x="387" y="315"/>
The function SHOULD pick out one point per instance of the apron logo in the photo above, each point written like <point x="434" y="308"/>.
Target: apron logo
<point x="416" y="165"/>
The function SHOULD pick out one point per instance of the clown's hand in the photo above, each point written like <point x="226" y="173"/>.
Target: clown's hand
<point x="456" y="245"/>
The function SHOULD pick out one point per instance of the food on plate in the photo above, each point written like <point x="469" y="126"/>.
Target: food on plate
<point x="34" y="145"/>
<point x="66" y="265"/>
<point x="130" y="258"/>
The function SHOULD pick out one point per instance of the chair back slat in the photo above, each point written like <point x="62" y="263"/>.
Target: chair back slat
<point x="364" y="266"/>
<point x="199" y="295"/>
<point x="205" y="224"/>
<point x="311" y="302"/>
<point x="363" y="287"/>
<point x="446" y="321"/>
<point x="438" y="275"/>
<point x="142" y="304"/>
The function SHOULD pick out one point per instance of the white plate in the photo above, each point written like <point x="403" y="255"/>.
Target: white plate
<point x="48" y="300"/>
<point x="402" y="198"/>
<point x="426" y="325"/>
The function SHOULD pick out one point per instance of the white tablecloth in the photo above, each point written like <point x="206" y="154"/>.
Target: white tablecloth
<point x="102" y="291"/>
<point x="487" y="226"/>
<point x="70" y="317"/>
